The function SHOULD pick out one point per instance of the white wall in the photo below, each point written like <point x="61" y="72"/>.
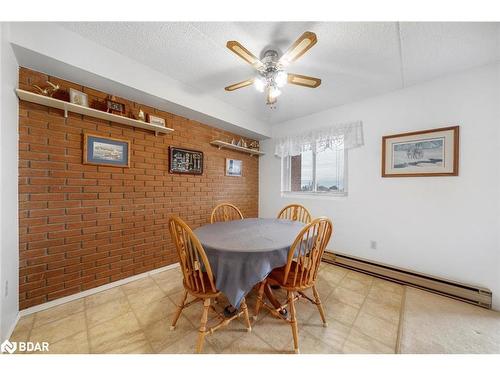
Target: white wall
<point x="9" y="248"/>
<point x="443" y="226"/>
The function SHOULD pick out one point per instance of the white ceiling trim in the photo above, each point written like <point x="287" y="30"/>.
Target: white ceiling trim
<point x="400" y="50"/>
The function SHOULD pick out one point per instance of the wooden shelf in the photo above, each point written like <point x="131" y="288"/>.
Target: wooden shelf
<point x="222" y="144"/>
<point x="75" y="108"/>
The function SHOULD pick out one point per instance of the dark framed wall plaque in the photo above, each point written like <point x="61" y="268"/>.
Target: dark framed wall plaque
<point x="185" y="161"/>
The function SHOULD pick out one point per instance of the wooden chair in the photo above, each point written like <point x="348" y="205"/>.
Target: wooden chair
<point x="295" y="212"/>
<point x="225" y="212"/>
<point x="198" y="280"/>
<point x="299" y="273"/>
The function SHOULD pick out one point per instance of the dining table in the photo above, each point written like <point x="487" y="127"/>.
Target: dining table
<point x="243" y="252"/>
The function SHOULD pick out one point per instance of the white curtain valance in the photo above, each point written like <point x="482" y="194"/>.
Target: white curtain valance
<point x="341" y="136"/>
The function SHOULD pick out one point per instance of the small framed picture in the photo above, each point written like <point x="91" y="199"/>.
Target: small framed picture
<point x="115" y="107"/>
<point x="234" y="167"/>
<point x="421" y="154"/>
<point x="99" y="150"/>
<point x="78" y="97"/>
<point x="158" y="121"/>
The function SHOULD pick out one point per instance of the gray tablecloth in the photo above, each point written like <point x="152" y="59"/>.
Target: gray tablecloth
<point x="243" y="252"/>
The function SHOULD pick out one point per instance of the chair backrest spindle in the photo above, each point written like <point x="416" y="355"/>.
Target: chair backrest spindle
<point x="295" y="212"/>
<point x="196" y="270"/>
<point x="225" y="212"/>
<point x="306" y="252"/>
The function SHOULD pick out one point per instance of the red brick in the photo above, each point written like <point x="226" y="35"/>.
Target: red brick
<point x="82" y="226"/>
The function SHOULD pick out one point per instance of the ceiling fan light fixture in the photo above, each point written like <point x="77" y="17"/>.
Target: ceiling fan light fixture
<point x="274" y="92"/>
<point x="281" y="78"/>
<point x="260" y="84"/>
<point x="271" y="69"/>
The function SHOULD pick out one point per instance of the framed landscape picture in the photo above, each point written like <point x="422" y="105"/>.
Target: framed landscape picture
<point x="234" y="167"/>
<point x="185" y="161"/>
<point x="423" y="153"/>
<point x="99" y="150"/>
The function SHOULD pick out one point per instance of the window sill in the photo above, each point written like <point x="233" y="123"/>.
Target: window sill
<point x="305" y="195"/>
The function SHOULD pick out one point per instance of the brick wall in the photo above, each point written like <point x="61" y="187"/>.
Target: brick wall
<point x="82" y="226"/>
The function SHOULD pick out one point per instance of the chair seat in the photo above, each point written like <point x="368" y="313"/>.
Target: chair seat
<point x="278" y="274"/>
<point x="208" y="290"/>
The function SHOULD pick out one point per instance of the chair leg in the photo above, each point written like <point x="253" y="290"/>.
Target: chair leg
<point x="293" y="322"/>
<point x="245" y="313"/>
<point x="260" y="295"/>
<point x="320" y="306"/>
<point x="179" y="310"/>
<point x="203" y="325"/>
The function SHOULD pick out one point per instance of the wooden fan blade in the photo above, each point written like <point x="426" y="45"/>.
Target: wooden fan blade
<point x="299" y="47"/>
<point x="306" y="81"/>
<point x="239" y="85"/>
<point x="245" y="54"/>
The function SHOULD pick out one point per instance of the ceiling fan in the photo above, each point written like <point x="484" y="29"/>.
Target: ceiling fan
<point x="271" y="69"/>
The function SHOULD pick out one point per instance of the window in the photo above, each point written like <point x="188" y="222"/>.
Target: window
<point x="321" y="172"/>
<point x="314" y="162"/>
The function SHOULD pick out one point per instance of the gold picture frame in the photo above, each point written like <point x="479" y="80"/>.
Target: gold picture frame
<point x="425" y="153"/>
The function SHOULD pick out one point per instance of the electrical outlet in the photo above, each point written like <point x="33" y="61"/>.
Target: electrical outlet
<point x="6" y="288"/>
<point x="373" y="245"/>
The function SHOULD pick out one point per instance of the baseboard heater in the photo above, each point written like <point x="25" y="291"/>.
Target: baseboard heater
<point x="467" y="293"/>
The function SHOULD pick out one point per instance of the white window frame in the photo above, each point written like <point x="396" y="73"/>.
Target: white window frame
<point x="286" y="182"/>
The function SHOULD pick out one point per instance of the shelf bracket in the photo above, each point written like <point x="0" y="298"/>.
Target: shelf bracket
<point x="65" y="112"/>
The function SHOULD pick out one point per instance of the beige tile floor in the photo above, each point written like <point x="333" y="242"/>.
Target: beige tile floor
<point x="363" y="313"/>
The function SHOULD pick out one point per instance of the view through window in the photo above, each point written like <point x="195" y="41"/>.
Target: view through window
<point x="315" y="172"/>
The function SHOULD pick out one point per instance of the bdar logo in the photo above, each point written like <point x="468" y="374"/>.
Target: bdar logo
<point x="8" y="347"/>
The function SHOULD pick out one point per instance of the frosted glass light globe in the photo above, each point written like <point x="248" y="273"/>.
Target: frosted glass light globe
<point x="259" y="84"/>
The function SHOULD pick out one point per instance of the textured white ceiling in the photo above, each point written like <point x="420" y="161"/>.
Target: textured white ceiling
<point x="355" y="60"/>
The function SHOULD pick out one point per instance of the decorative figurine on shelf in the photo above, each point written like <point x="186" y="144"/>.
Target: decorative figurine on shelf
<point x="240" y="143"/>
<point x="233" y="141"/>
<point x="254" y="145"/>
<point x="49" y="90"/>
<point x="141" y="116"/>
<point x="114" y="107"/>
